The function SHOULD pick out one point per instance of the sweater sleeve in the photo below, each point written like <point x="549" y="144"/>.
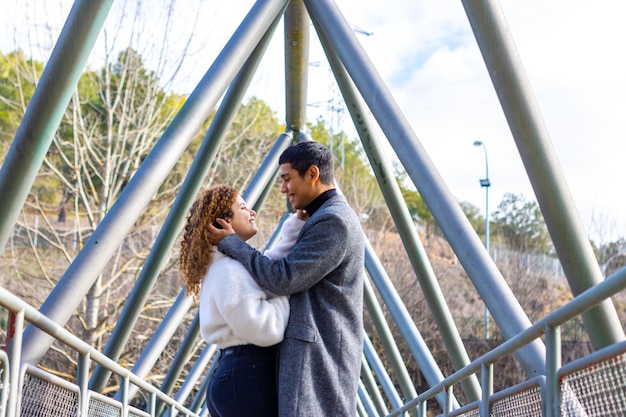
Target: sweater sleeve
<point x="252" y="315"/>
<point x="289" y="234"/>
<point x="319" y="250"/>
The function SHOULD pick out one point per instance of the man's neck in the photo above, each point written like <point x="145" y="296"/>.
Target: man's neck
<point x="320" y="199"/>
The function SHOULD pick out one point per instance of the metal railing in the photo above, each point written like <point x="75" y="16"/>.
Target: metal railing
<point x="558" y="397"/>
<point x="593" y="385"/>
<point x="29" y="391"/>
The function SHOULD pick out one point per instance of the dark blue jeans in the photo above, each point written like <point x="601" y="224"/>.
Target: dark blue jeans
<point x="244" y="383"/>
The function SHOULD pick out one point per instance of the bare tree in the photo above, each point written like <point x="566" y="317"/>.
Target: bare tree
<point x="115" y="117"/>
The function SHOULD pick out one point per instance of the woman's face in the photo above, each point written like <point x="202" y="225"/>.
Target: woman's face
<point x="243" y="219"/>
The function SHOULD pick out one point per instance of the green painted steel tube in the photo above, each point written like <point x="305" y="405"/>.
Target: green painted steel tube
<point x="402" y="219"/>
<point x="389" y="344"/>
<point x="414" y="340"/>
<point x="194" y="180"/>
<point x="544" y="171"/>
<point x="382" y="376"/>
<point x="100" y="247"/>
<point x="481" y="269"/>
<point x="296" y="64"/>
<point x="45" y="110"/>
<point x="369" y="384"/>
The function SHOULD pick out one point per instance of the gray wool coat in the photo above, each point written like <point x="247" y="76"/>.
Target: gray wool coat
<point x="320" y="357"/>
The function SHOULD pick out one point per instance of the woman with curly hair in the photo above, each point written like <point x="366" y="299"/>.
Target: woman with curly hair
<point x="243" y="320"/>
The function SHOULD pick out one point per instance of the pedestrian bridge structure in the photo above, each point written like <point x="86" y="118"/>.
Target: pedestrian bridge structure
<point x="594" y="385"/>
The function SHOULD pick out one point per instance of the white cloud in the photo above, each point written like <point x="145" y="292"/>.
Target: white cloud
<point x="573" y="58"/>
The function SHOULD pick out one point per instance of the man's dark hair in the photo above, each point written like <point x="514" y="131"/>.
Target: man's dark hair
<point x="305" y="154"/>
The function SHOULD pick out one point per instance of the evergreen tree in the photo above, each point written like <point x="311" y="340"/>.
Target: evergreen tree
<point x="519" y="224"/>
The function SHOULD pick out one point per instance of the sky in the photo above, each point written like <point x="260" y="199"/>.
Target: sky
<point x="425" y="52"/>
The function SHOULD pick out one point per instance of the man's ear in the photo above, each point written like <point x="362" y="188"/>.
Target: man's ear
<point x="313" y="173"/>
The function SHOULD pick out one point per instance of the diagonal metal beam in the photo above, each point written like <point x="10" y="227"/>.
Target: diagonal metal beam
<point x="389" y="344"/>
<point x="409" y="331"/>
<point x="402" y="219"/>
<point x="46" y="108"/>
<point x="91" y="260"/>
<point x="544" y="171"/>
<point x="194" y="180"/>
<point x="470" y="251"/>
<point x="174" y="317"/>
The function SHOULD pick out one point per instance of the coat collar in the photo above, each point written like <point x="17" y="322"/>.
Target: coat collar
<point x="319" y="200"/>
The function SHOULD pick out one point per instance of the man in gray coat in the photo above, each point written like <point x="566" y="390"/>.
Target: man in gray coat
<point x="320" y="357"/>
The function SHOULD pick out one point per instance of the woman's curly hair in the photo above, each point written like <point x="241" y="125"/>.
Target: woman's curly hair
<point x="195" y="248"/>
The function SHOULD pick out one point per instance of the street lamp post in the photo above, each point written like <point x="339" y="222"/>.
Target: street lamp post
<point x="484" y="182"/>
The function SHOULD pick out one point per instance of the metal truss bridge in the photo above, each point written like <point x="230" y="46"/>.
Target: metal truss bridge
<point x="591" y="386"/>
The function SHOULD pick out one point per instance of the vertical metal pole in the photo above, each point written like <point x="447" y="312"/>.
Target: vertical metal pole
<point x="486" y="376"/>
<point x="46" y="108"/>
<point x="533" y="142"/>
<point x="449" y="396"/>
<point x="486" y="184"/>
<point x="296" y="64"/>
<point x="82" y="380"/>
<point x="152" y="400"/>
<point x="82" y="273"/>
<point x="14" y="340"/>
<point x="470" y="251"/>
<point x="423" y="407"/>
<point x="124" y="396"/>
<point x="553" y="363"/>
<point x="486" y="310"/>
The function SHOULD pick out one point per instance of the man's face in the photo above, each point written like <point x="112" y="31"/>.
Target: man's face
<point x="299" y="190"/>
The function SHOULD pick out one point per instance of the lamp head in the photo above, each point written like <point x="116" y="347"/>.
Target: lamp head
<point x="477" y="143"/>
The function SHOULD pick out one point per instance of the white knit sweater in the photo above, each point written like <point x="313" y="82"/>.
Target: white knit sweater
<point x="234" y="310"/>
